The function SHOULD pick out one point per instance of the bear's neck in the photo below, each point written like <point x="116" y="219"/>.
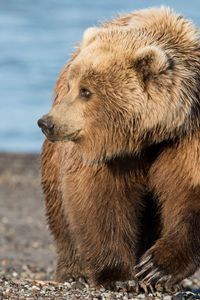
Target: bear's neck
<point x="140" y="162"/>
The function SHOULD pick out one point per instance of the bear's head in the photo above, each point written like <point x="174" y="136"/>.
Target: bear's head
<point x="117" y="95"/>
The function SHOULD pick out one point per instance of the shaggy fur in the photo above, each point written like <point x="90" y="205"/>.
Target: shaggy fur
<point x="122" y="185"/>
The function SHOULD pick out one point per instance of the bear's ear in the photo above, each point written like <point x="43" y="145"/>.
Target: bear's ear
<point x="150" y="61"/>
<point x="89" y="35"/>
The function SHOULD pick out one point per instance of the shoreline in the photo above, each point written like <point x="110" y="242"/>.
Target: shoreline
<point x="27" y="256"/>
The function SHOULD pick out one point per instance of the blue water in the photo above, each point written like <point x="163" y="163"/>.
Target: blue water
<point x="36" y="39"/>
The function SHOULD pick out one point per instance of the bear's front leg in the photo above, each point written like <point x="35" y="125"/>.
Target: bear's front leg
<point x="102" y="208"/>
<point x="68" y="263"/>
<point x="175" y="180"/>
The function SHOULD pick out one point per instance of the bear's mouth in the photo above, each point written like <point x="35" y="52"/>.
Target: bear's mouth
<point x="74" y="136"/>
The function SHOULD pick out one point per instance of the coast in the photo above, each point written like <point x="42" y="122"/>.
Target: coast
<point x="27" y="256"/>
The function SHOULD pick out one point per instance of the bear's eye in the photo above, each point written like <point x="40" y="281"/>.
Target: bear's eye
<point x="85" y="93"/>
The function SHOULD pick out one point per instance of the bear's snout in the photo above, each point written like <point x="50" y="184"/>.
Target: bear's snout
<point x="46" y="124"/>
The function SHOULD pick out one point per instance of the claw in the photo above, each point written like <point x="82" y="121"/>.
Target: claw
<point x="152" y="276"/>
<point x="152" y="290"/>
<point x="143" y="261"/>
<point x="165" y="278"/>
<point x="146" y="268"/>
<point x="144" y="287"/>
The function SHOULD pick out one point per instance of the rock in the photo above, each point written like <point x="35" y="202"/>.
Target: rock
<point x="167" y="298"/>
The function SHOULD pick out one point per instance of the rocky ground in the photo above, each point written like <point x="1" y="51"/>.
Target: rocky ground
<point x="26" y="251"/>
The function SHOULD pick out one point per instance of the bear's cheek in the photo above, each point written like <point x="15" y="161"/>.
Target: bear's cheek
<point x="69" y="129"/>
<point x="68" y="121"/>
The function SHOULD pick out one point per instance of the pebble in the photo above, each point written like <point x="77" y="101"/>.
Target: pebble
<point x="34" y="287"/>
<point x="14" y="286"/>
<point x="67" y="284"/>
<point x="187" y="282"/>
<point x="167" y="298"/>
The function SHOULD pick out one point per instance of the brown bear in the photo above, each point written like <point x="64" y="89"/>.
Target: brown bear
<point x="121" y="162"/>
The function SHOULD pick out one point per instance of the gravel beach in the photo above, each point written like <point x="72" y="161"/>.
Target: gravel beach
<point x="27" y="256"/>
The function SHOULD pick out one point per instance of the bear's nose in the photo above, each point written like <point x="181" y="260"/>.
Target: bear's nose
<point x="46" y="125"/>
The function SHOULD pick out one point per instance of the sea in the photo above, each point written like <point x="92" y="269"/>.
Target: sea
<point x="36" y="40"/>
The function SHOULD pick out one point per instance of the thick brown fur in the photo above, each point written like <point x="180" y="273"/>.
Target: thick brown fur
<point x="121" y="182"/>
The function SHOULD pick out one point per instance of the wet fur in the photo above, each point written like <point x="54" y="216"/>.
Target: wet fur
<point x="108" y="204"/>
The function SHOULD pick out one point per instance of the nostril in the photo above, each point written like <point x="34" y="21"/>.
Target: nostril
<point x="42" y="123"/>
<point x="46" y="125"/>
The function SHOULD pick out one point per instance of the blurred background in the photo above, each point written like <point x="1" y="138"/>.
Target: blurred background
<point x="36" y="39"/>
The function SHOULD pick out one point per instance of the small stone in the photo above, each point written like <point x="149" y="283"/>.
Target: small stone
<point x="107" y="295"/>
<point x="167" y="298"/>
<point x="68" y="285"/>
<point x="36" y="288"/>
<point x="35" y="244"/>
<point x="178" y="297"/>
<point x="97" y="295"/>
<point x="14" y="274"/>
